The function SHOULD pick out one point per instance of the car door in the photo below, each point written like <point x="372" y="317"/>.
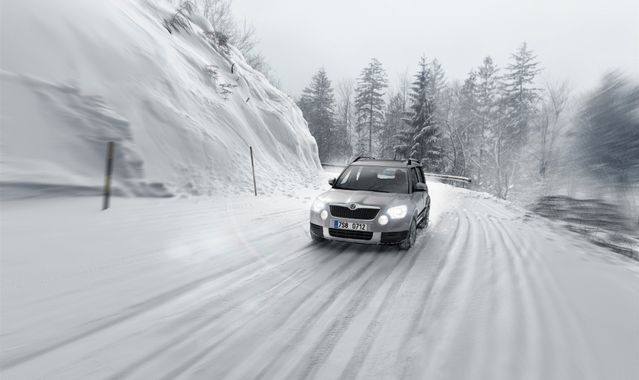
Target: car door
<point x="419" y="197"/>
<point x="422" y="179"/>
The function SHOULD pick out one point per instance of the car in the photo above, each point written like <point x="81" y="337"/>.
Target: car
<point x="373" y="202"/>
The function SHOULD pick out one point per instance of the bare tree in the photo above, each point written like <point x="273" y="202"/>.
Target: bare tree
<point x="345" y="109"/>
<point x="242" y="35"/>
<point x="550" y="124"/>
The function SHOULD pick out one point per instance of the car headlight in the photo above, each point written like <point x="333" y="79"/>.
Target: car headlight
<point x="397" y="212"/>
<point x="318" y="206"/>
<point x="324" y="214"/>
<point x="382" y="220"/>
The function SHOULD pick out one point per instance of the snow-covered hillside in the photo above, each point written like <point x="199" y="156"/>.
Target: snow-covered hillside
<point x="75" y="74"/>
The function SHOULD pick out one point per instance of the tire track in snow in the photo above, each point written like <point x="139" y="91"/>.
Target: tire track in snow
<point x="512" y="322"/>
<point x="130" y="312"/>
<point x="461" y="297"/>
<point x="540" y="330"/>
<point x="330" y="337"/>
<point x="415" y="333"/>
<point x="560" y="322"/>
<point x="313" y="317"/>
<point x="191" y="330"/>
<point x="449" y="296"/>
<point x="184" y="367"/>
<point x="366" y="342"/>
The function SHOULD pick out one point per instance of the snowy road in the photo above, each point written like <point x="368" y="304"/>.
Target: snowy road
<point x="234" y="289"/>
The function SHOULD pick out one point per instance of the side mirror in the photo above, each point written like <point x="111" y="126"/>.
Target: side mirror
<point x="332" y="181"/>
<point x="420" y="186"/>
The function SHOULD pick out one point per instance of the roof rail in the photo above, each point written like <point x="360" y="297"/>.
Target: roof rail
<point x="363" y="158"/>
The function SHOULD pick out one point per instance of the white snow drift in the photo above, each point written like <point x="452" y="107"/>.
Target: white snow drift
<point x="75" y="74"/>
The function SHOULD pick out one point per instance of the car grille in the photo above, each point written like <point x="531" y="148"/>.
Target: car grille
<point x="347" y="234"/>
<point x="358" y="213"/>
<point x="393" y="237"/>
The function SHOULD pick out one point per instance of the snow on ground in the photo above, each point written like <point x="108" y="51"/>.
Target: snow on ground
<point x="75" y="74"/>
<point x="232" y="287"/>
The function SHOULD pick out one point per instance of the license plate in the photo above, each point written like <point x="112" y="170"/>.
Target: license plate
<point x="353" y="226"/>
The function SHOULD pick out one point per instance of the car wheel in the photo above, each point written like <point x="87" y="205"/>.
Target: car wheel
<point x="425" y="221"/>
<point x="412" y="236"/>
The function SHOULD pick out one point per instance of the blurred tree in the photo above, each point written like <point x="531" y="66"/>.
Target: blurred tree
<point x="608" y="132"/>
<point x="554" y="105"/>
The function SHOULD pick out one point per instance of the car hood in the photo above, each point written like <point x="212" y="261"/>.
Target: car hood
<point x="364" y="198"/>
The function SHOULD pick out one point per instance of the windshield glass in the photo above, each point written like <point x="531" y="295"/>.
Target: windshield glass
<point x="373" y="178"/>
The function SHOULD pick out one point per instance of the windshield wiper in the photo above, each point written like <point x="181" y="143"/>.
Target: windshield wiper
<point x="372" y="188"/>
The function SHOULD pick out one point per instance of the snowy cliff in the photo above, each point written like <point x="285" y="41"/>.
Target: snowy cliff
<point x="75" y="74"/>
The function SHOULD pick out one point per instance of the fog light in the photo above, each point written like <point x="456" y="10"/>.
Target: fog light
<point x="383" y="220"/>
<point x="324" y="214"/>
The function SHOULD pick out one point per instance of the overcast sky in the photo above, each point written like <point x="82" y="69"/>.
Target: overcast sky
<point x="574" y="39"/>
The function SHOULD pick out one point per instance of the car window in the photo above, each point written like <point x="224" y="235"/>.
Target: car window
<point x="413" y="176"/>
<point x="420" y="175"/>
<point x="374" y="178"/>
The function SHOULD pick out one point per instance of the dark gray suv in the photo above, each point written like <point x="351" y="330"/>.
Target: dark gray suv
<point x="373" y="202"/>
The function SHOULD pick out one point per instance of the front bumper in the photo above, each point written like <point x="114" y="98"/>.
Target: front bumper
<point x="371" y="237"/>
<point x="394" y="232"/>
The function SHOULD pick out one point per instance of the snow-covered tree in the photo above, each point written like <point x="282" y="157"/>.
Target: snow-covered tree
<point x="318" y="106"/>
<point x="521" y="96"/>
<point x="369" y="105"/>
<point x="345" y="116"/>
<point x="394" y="125"/>
<point x="520" y="102"/>
<point x="489" y="126"/>
<point x="403" y="138"/>
<point x="426" y="135"/>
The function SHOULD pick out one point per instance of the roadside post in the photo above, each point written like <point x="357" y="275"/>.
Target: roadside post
<point x="253" y="170"/>
<point x="109" y="172"/>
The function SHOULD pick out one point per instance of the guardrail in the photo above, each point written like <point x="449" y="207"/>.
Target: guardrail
<point x="449" y="177"/>
<point x="446" y="177"/>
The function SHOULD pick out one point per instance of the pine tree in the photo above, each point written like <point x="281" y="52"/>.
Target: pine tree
<point x="468" y="119"/>
<point x="403" y="138"/>
<point x="520" y="101"/>
<point x="369" y="104"/>
<point x="488" y="123"/>
<point x="520" y="95"/>
<point x="318" y="106"/>
<point x="426" y="135"/>
<point x="393" y="125"/>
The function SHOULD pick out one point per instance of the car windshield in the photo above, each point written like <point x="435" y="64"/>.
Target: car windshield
<point x="373" y="178"/>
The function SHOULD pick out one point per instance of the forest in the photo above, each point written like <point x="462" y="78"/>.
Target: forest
<point x="516" y="135"/>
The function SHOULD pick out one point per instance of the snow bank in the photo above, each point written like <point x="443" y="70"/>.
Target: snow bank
<point x="75" y="74"/>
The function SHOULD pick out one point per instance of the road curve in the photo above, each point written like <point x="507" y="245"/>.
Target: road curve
<point x="488" y="292"/>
